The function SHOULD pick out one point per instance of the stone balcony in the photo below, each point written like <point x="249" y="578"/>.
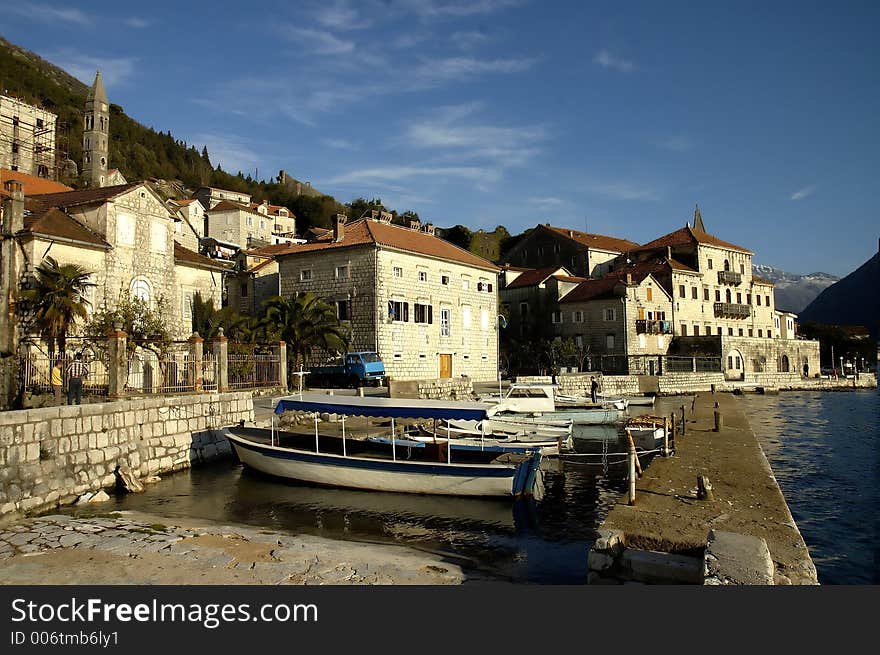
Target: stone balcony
<point x="653" y="327"/>
<point x="732" y="310"/>
<point x="729" y="277"/>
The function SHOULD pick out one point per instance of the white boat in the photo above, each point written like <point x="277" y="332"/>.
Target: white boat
<point x="357" y="464"/>
<point x="508" y="426"/>
<point x="548" y="447"/>
<point x="647" y="431"/>
<point x="641" y="401"/>
<point x="563" y="400"/>
<point x="538" y="401"/>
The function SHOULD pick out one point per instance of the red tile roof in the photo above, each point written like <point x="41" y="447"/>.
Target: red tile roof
<point x="689" y="236"/>
<point x="597" y="241"/>
<point x="185" y="202"/>
<point x="569" y="278"/>
<point x="85" y="196"/>
<point x="532" y="277"/>
<point x="605" y="287"/>
<point x="53" y="223"/>
<point x="31" y="184"/>
<point x="228" y="205"/>
<point x="367" y="232"/>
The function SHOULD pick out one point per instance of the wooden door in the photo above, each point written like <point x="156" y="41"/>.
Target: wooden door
<point x="445" y="366"/>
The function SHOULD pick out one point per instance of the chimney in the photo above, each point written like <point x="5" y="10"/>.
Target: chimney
<point x="266" y="202"/>
<point x="13" y="208"/>
<point x="668" y="252"/>
<point x="629" y="279"/>
<point x="415" y="224"/>
<point x="339" y="227"/>
<point x="429" y="228"/>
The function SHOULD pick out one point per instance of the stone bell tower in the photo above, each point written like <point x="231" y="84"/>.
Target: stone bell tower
<point x="96" y="135"/>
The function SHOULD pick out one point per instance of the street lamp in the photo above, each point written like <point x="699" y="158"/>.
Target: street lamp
<point x="841" y="367"/>
<point x="501" y="322"/>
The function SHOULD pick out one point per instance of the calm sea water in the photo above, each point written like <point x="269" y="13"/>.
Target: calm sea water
<point x="825" y="452"/>
<point x="823" y="448"/>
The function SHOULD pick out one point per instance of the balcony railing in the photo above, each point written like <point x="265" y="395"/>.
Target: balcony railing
<point x="653" y="327"/>
<point x="729" y="277"/>
<point x="732" y="310"/>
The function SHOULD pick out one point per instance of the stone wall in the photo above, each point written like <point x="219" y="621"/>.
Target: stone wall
<point x="51" y="455"/>
<point x="675" y="383"/>
<point x="438" y="389"/>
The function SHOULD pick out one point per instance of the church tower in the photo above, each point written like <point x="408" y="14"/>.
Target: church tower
<point x="96" y="135"/>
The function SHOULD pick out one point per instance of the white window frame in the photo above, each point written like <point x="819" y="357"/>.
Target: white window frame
<point x="423" y="275"/>
<point x="142" y="288"/>
<point x="397" y="271"/>
<point x="305" y="275"/>
<point x="346" y="269"/>
<point x="609" y="314"/>
<point x="445" y="322"/>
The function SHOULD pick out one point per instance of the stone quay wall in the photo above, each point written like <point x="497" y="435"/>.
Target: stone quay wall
<point x="578" y="384"/>
<point x="460" y="388"/>
<point x="51" y="455"/>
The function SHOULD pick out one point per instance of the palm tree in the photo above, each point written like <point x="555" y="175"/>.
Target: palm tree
<point x="305" y="322"/>
<point x="207" y="321"/>
<point x="56" y="300"/>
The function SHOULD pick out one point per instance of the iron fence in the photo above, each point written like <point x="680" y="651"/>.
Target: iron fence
<point x="36" y="371"/>
<point x="248" y="369"/>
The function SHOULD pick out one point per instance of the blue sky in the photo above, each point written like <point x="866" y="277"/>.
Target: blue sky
<point x="615" y="117"/>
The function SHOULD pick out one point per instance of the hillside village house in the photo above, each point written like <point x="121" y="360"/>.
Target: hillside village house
<point x="189" y="228"/>
<point x="254" y="279"/>
<point x="250" y="225"/>
<point x="706" y="302"/>
<point x="426" y="306"/>
<point x="124" y="235"/>
<point x="27" y="138"/>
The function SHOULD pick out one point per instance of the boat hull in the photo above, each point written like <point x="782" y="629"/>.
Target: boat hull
<point x="386" y="475"/>
<point x="577" y="417"/>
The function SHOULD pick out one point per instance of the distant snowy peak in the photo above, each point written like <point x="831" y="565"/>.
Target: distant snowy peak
<point x="794" y="291"/>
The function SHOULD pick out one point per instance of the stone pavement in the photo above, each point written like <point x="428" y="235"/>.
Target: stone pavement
<point x="133" y="548"/>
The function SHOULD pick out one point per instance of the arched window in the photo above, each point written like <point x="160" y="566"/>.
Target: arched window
<point x="141" y="289"/>
<point x="784" y="365"/>
<point x="727" y="295"/>
<point x="726" y="265"/>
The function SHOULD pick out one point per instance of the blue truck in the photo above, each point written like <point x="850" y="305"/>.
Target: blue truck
<point x="355" y="370"/>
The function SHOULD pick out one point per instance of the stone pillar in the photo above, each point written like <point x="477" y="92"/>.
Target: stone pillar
<point x="694" y="364"/>
<point x="195" y="374"/>
<point x="221" y="353"/>
<point x="282" y="365"/>
<point x="117" y="373"/>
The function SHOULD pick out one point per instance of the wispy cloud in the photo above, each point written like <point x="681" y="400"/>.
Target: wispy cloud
<point x="394" y="175"/>
<point x="231" y="152"/>
<point x="800" y="194"/>
<point x="138" y="23"/>
<point x="318" y="42"/>
<point x="676" y="143"/>
<point x="607" y="60"/>
<point x="467" y="40"/>
<point x="437" y="9"/>
<point x="502" y="146"/>
<point x="341" y="16"/>
<point x="459" y="68"/>
<point x="340" y="144"/>
<point x="48" y="13"/>
<point x="113" y="70"/>
<point x="549" y="200"/>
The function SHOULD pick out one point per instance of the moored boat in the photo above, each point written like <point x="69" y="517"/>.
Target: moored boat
<point x="647" y="431"/>
<point x="349" y="463"/>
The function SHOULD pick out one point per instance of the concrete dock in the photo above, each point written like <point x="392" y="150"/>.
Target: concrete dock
<point x="665" y="536"/>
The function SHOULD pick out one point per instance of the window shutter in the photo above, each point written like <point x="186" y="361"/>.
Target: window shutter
<point x="430" y="314"/>
<point x="406" y="311"/>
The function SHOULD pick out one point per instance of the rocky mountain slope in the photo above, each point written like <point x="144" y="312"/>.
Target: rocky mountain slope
<point x="793" y="291"/>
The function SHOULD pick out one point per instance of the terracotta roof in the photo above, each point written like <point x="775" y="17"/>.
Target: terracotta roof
<point x="53" y="223"/>
<point x="532" y="277"/>
<point x="184" y="203"/>
<point x="31" y="184"/>
<point x="761" y="280"/>
<point x="85" y="196"/>
<point x="569" y="278"/>
<point x="689" y="236"/>
<point x="604" y="287"/>
<point x="272" y="209"/>
<point x="191" y="258"/>
<point x="597" y="241"/>
<point x="365" y="232"/>
<point x="678" y="266"/>
<point x="268" y="251"/>
<point x="228" y="205"/>
<point x="263" y="264"/>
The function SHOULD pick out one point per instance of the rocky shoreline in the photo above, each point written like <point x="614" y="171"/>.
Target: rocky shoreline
<point x="135" y="548"/>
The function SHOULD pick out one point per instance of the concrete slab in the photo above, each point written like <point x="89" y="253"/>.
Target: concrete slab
<point x="737" y="559"/>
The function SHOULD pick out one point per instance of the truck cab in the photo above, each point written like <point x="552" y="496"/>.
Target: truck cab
<point x="368" y="367"/>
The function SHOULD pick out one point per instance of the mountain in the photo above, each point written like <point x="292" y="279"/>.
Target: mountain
<point x="793" y="291"/>
<point x="851" y="301"/>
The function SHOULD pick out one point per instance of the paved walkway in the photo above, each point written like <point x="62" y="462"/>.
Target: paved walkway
<point x="130" y="548"/>
<point x="668" y="517"/>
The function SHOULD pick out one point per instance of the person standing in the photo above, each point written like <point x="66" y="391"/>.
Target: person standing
<point x="594" y="389"/>
<point x="76" y="373"/>
<point x="57" y="381"/>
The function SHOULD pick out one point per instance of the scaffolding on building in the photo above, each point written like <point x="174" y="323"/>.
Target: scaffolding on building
<point x="27" y="141"/>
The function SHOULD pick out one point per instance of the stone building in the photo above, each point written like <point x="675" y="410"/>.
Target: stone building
<point x="96" y="135"/>
<point x="253" y="279"/>
<point x="426" y="306"/>
<point x="210" y="196"/>
<point x="124" y="235"/>
<point x="582" y="253"/>
<point x="250" y="225"/>
<point x="529" y="296"/>
<point x="189" y="228"/>
<point x="27" y="138"/>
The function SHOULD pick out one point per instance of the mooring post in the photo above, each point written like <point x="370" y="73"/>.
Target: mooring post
<point x="665" y="439"/>
<point x="704" y="488"/>
<point x="672" y="426"/>
<point x="719" y="422"/>
<point x="683" y="429"/>
<point x="631" y="458"/>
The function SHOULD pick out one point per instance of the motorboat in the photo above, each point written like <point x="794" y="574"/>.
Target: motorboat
<point x="647" y="431"/>
<point x="641" y="401"/>
<point x="433" y="468"/>
<point x="535" y="403"/>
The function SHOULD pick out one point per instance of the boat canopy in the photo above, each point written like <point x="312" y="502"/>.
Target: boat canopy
<point x="383" y="407"/>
